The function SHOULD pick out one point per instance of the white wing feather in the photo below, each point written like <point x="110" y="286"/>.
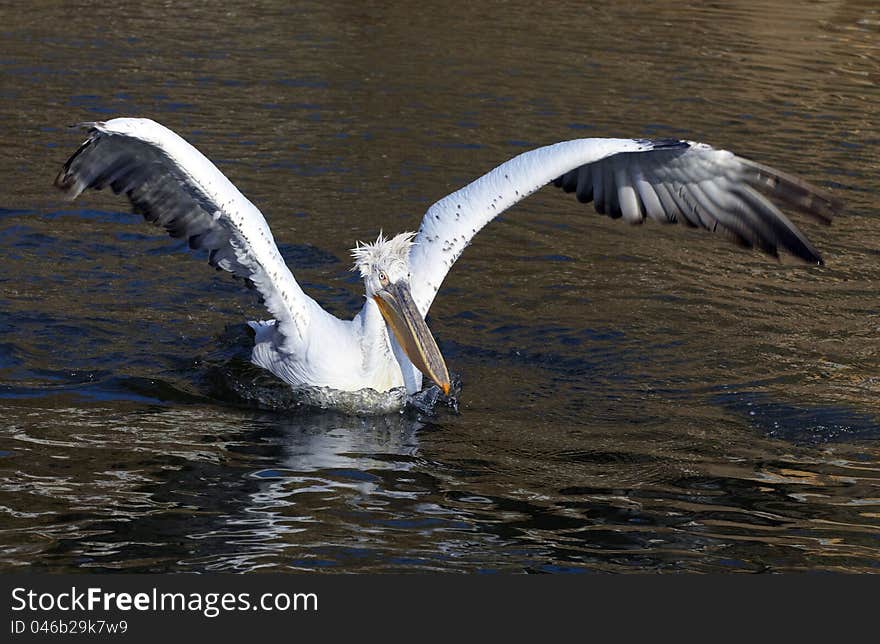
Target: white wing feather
<point x="666" y="180"/>
<point x="174" y="185"/>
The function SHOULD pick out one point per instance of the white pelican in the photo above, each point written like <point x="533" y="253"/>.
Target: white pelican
<point x="388" y="345"/>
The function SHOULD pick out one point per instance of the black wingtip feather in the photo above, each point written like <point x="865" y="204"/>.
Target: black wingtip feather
<point x="743" y="207"/>
<point x="154" y="187"/>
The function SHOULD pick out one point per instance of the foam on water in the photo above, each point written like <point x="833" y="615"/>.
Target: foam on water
<point x="230" y="375"/>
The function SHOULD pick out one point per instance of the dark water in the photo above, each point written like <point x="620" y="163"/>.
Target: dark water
<point x="633" y="399"/>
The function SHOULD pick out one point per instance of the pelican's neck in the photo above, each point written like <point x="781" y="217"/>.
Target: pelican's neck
<point x="382" y="355"/>
<point x="375" y="343"/>
<point x="382" y="351"/>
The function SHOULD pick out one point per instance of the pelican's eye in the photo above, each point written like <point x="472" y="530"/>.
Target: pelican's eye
<point x="383" y="278"/>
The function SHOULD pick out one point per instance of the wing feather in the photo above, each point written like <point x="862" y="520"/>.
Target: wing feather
<point x="172" y="185"/>
<point x="584" y="191"/>
<point x="667" y="180"/>
<point x="650" y="199"/>
<point x="630" y="207"/>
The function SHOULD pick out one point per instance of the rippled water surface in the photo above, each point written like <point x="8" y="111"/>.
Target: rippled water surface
<point x="633" y="399"/>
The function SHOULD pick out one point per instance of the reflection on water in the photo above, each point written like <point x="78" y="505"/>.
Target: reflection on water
<point x="199" y="488"/>
<point x="632" y="399"/>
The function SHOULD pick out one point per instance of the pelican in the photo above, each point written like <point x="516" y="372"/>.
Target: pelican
<point x="387" y="345"/>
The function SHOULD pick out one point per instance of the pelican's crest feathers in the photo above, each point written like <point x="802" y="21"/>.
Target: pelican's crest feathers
<point x="382" y="251"/>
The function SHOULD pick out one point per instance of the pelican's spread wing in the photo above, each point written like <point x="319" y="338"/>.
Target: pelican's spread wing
<point x="666" y="180"/>
<point x="173" y="185"/>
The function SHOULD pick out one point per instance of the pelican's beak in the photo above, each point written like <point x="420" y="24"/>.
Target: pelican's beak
<point x="401" y="314"/>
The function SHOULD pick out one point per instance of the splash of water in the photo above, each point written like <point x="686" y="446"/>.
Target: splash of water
<point x="231" y="376"/>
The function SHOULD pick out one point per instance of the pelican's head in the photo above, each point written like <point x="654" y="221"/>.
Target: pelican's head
<point x="384" y="265"/>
